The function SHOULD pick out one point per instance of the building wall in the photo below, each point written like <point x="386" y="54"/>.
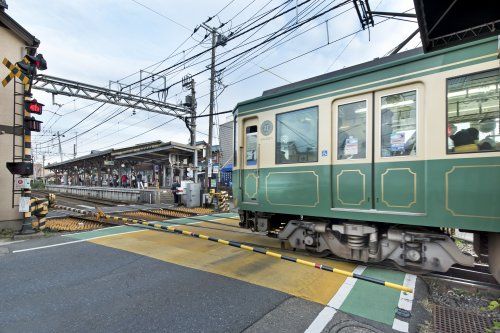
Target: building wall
<point x="226" y="142"/>
<point x="12" y="48"/>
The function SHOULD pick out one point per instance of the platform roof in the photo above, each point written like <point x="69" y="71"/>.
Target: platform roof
<point x="157" y="153"/>
<point x="148" y="151"/>
<point x="444" y="23"/>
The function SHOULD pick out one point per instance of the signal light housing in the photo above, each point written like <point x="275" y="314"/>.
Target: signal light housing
<point x="35" y="62"/>
<point x="20" y="168"/>
<point x="32" y="124"/>
<point x="33" y="106"/>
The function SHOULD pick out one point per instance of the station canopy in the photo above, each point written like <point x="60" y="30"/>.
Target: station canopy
<point x="444" y="23"/>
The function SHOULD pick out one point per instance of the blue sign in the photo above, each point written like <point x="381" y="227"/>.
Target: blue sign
<point x="324" y="153"/>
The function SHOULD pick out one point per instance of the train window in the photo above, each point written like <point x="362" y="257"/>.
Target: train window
<point x="473" y="112"/>
<point x="398" y="132"/>
<point x="297" y="136"/>
<point x="351" y="143"/>
<point x="251" y="145"/>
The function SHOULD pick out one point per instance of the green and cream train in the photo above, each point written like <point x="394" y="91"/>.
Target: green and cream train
<point x="374" y="161"/>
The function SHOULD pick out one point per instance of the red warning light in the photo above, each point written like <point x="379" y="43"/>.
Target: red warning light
<point x="34" y="107"/>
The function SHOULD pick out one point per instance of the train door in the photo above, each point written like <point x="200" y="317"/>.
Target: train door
<point x="352" y="153"/>
<point x="250" y="161"/>
<point x="398" y="159"/>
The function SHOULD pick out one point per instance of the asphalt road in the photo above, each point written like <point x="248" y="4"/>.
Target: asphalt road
<point x="84" y="287"/>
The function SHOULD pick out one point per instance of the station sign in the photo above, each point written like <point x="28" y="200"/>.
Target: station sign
<point x="24" y="204"/>
<point x="109" y="162"/>
<point x="21" y="183"/>
<point x="215" y="168"/>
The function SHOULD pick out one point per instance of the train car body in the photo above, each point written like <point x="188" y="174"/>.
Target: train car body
<point x="372" y="162"/>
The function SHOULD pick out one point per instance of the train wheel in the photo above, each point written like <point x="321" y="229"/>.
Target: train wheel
<point x="494" y="254"/>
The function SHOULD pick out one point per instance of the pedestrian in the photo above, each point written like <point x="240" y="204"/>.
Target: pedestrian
<point x="124" y="180"/>
<point x="133" y="181"/>
<point x="174" y="189"/>
<point x="139" y="181"/>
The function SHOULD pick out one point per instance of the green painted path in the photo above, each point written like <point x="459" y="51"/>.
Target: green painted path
<point x="373" y="301"/>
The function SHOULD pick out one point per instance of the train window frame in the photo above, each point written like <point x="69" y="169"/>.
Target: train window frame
<point x="446" y="135"/>
<point x="418" y="142"/>
<point x="316" y="108"/>
<point x="368" y="135"/>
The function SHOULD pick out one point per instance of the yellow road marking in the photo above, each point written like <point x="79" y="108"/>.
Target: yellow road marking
<point x="298" y="280"/>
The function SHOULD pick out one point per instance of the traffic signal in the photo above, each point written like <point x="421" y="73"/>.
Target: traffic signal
<point x="20" y="168"/>
<point x="30" y="64"/>
<point x="33" y="106"/>
<point x="32" y="124"/>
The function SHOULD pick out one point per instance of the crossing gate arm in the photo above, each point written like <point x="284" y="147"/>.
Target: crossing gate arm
<point x="278" y="256"/>
<point x="158" y="226"/>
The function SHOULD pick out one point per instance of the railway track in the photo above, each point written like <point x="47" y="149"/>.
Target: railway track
<point x="100" y="202"/>
<point x="477" y="276"/>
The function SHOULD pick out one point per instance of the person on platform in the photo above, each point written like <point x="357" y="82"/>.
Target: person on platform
<point x="133" y="180"/>
<point x="174" y="187"/>
<point x="139" y="181"/>
<point x="124" y="180"/>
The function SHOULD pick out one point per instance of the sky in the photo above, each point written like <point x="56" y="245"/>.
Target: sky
<point x="98" y="41"/>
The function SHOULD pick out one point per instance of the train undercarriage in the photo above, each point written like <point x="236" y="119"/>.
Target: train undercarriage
<point x="412" y="249"/>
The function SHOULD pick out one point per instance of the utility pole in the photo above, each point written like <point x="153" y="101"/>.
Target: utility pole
<point x="215" y="43"/>
<point x="193" y="131"/>
<point x="75" y="146"/>
<point x="188" y="83"/>
<point x="60" y="148"/>
<point x="43" y="168"/>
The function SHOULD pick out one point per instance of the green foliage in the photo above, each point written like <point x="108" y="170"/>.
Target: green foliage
<point x="492" y="306"/>
<point x="495" y="328"/>
<point x="37" y="184"/>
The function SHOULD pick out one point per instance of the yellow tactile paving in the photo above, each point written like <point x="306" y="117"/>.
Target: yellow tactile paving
<point x="305" y="282"/>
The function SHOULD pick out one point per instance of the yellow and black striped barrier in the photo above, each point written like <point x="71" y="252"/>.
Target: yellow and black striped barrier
<point x="75" y="210"/>
<point x="14" y="72"/>
<point x="222" y="200"/>
<point x="279" y="256"/>
<point x="39" y="208"/>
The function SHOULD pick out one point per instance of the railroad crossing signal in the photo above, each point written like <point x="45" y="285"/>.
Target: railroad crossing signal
<point x="25" y="69"/>
<point x="15" y="71"/>
<point x="33" y="106"/>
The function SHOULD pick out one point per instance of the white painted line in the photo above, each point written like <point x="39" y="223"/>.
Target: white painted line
<point x="73" y="242"/>
<point x="85" y="206"/>
<point x="405" y="303"/>
<point x="11" y="242"/>
<point x="47" y="246"/>
<point x="401" y="326"/>
<point x="321" y="320"/>
<point x="326" y="315"/>
<point x="344" y="290"/>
